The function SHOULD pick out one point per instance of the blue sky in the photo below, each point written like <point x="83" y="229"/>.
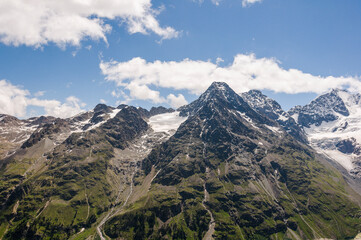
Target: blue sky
<point x="320" y="39"/>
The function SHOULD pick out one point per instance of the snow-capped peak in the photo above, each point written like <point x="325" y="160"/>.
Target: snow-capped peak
<point x="333" y="119"/>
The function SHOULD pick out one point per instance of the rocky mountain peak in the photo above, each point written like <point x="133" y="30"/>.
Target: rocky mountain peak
<point x="263" y="104"/>
<point x="221" y="86"/>
<point x="102" y="108"/>
<point x="218" y="98"/>
<point x="41" y="120"/>
<point x="325" y="108"/>
<point x="121" y="106"/>
<point x="337" y="90"/>
<point x="159" y="110"/>
<point x="217" y="90"/>
<point x="7" y="119"/>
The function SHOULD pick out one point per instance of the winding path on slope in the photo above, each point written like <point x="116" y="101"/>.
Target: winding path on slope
<point x="212" y="223"/>
<point x="112" y="212"/>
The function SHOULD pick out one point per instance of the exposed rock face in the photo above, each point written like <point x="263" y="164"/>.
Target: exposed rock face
<point x="14" y="132"/>
<point x="220" y="95"/>
<point x="325" y="108"/>
<point x="159" y="110"/>
<point x="154" y="111"/>
<point x="348" y="146"/>
<point x="47" y="130"/>
<point x="271" y="109"/>
<point x="332" y="123"/>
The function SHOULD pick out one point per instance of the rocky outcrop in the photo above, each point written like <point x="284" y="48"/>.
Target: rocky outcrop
<point x="271" y="109"/>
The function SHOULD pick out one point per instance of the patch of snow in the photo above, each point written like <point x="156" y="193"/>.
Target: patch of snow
<point x="221" y="87"/>
<point x="96" y="125"/>
<point x="343" y="159"/>
<point x="248" y="119"/>
<point x="338" y="128"/>
<point x="114" y="113"/>
<point x="282" y="118"/>
<point x="80" y="125"/>
<point x="274" y="129"/>
<point x="345" y="96"/>
<point x="166" y="122"/>
<point x="295" y="117"/>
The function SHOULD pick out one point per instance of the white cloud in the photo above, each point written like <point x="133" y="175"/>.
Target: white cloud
<point x="244" y="73"/>
<point x="38" y="22"/>
<point x="102" y="101"/>
<point x="39" y="93"/>
<point x="143" y="92"/>
<point x="246" y="3"/>
<point x="71" y="107"/>
<point x="176" y="101"/>
<point x="14" y="101"/>
<point x="219" y="60"/>
<point x="216" y="2"/>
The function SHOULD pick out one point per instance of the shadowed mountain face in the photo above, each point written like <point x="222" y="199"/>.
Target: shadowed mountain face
<point x="234" y="169"/>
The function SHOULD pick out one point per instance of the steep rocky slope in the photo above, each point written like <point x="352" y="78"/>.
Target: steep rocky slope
<point x="332" y="123"/>
<point x="14" y="132"/>
<point x="271" y="109"/>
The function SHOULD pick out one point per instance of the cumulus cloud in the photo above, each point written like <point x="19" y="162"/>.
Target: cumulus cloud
<point x="35" y="23"/>
<point x="143" y="92"/>
<point x="39" y="93"/>
<point x="14" y="101"/>
<point x="71" y="107"/>
<point x="244" y="73"/>
<point x="246" y="3"/>
<point x="176" y="101"/>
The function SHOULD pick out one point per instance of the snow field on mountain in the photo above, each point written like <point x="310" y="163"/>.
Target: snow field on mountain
<point x="166" y="122"/>
<point x="332" y="132"/>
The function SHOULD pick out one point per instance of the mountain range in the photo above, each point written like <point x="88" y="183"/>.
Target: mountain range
<point x="226" y="166"/>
